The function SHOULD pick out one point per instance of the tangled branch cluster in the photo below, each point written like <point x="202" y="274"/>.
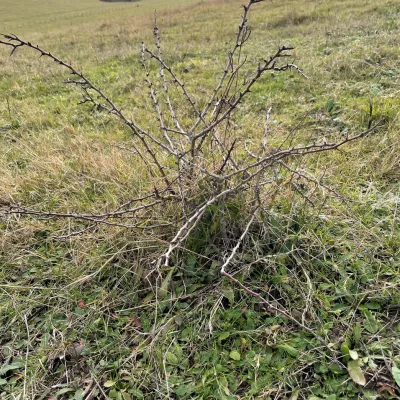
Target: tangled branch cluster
<point x="210" y="163"/>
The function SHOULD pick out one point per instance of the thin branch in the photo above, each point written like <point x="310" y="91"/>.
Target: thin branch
<point x="270" y="307"/>
<point x="269" y="65"/>
<point x="302" y="150"/>
<point x="163" y="78"/>
<point x="177" y="81"/>
<point x="14" y="41"/>
<point x="239" y="36"/>
<point x="239" y="242"/>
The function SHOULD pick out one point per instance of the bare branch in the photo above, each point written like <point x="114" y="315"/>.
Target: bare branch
<point x="156" y="104"/>
<point x="163" y="78"/>
<point x="200" y="159"/>
<point x="14" y="41"/>
<point x="177" y="81"/>
<point x="270" y="307"/>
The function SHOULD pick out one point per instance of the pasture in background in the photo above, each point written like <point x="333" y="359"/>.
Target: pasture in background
<point x="44" y="15"/>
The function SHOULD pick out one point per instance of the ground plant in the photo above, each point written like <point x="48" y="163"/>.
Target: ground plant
<point x="209" y="222"/>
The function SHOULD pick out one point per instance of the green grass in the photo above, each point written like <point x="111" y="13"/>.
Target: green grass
<point x="42" y="15"/>
<point x="336" y="266"/>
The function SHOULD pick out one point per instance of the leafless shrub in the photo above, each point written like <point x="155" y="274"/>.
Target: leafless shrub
<point x="208" y="164"/>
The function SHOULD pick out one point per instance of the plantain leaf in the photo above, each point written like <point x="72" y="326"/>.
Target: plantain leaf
<point x="357" y="333"/>
<point x="288" y="349"/>
<point x="171" y="358"/>
<point x="223" y="336"/>
<point x="371" y="324"/>
<point x="356" y="373"/>
<point x="353" y="354"/>
<point x="235" y="355"/>
<point x="11" y="367"/>
<point x="295" y="395"/>
<point x="63" y="391"/>
<point x="229" y="294"/>
<point x="396" y="375"/>
<point x="345" y="352"/>
<point x="165" y="284"/>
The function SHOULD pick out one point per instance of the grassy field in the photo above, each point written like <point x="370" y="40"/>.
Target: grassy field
<point x="43" y="15"/>
<point x="83" y="317"/>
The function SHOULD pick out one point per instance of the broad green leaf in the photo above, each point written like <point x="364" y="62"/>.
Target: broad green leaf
<point x="372" y="364"/>
<point x="182" y="390"/>
<point x="378" y="346"/>
<point x="321" y="368"/>
<point x="331" y="397"/>
<point x="223" y="336"/>
<point x="10" y="367"/>
<point x="171" y="358"/>
<point x="3" y="382"/>
<point x="357" y="333"/>
<point x="16" y="365"/>
<point x="235" y="355"/>
<point x="223" y="384"/>
<point x="165" y="284"/>
<point x="114" y="394"/>
<point x="396" y="375"/>
<point x="356" y="373"/>
<point x="338" y="308"/>
<point x="371" y="324"/>
<point x="137" y="393"/>
<point x="274" y="328"/>
<point x="336" y="369"/>
<point x="63" y="391"/>
<point x="219" y="368"/>
<point x="148" y="298"/>
<point x="295" y="395"/>
<point x="178" y="350"/>
<point x="345" y="352"/>
<point x="353" y="354"/>
<point x="373" y="305"/>
<point x="288" y="349"/>
<point x="109" y="384"/>
<point x="330" y="105"/>
<point x="229" y="294"/>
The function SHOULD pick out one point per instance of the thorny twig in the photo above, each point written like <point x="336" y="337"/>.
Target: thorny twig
<point x="269" y="306"/>
<point x="191" y="183"/>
